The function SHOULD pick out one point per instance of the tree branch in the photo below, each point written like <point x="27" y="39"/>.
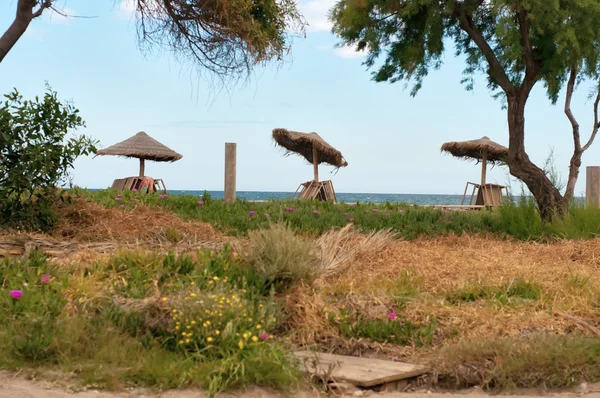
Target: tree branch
<point x="43" y="6"/>
<point x="17" y="28"/>
<point x="497" y="72"/>
<point x="531" y="66"/>
<point x="596" y="123"/>
<point x="569" y="113"/>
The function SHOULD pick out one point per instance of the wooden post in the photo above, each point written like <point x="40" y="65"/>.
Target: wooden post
<point x="483" y="167"/>
<point x="315" y="163"/>
<point x="142" y="167"/>
<point x="592" y="186"/>
<point x="230" y="165"/>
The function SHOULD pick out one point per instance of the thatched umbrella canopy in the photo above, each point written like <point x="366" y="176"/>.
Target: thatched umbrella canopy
<point x="482" y="149"/>
<point x="311" y="147"/>
<point x="143" y="147"/>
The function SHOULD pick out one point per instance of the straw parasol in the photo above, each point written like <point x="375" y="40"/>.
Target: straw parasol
<point x="143" y="147"/>
<point x="482" y="149"/>
<point x="310" y="146"/>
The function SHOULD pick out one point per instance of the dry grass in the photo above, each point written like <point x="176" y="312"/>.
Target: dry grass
<point x="89" y="222"/>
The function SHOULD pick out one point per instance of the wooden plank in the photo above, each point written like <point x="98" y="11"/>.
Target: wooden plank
<point x="362" y="372"/>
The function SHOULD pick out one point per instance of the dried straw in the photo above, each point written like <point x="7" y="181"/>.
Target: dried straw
<point x="474" y="149"/>
<point x="142" y="146"/>
<point x="304" y="143"/>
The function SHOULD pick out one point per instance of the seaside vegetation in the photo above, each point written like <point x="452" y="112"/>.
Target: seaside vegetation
<point x="518" y="219"/>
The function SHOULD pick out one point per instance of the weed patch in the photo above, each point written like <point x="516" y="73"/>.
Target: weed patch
<point x="516" y="289"/>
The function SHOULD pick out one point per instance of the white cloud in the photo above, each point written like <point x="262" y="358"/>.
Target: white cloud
<point x="59" y="18"/>
<point x="315" y="12"/>
<point x="350" y="52"/>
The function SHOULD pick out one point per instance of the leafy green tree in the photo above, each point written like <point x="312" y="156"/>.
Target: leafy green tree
<point x="516" y="43"/>
<point x="226" y="38"/>
<point x="36" y="156"/>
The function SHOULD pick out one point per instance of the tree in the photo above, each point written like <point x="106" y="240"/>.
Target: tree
<point x="516" y="43"/>
<point x="225" y="38"/>
<point x="36" y="157"/>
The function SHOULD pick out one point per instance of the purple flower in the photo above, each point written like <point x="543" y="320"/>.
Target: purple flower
<point x="16" y="294"/>
<point x="267" y="215"/>
<point x="252" y="212"/>
<point x="118" y="198"/>
<point x="289" y="209"/>
<point x="45" y="278"/>
<point x="315" y="211"/>
<point x="375" y="210"/>
<point x="351" y="219"/>
<point x="392" y="315"/>
<point x="200" y="203"/>
<point x="163" y="195"/>
<point x="264" y="336"/>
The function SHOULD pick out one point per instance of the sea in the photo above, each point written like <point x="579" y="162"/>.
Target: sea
<point x="417" y="199"/>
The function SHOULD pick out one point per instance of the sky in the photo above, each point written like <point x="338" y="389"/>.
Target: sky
<point x="390" y="139"/>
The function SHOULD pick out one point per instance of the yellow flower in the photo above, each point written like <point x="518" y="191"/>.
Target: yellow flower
<point x="258" y="326"/>
<point x="193" y="322"/>
<point x="164" y="299"/>
<point x="216" y="278"/>
<point x="209" y="339"/>
<point x="175" y="311"/>
<point x="187" y="340"/>
<point x="208" y="322"/>
<point x="249" y="319"/>
<point x="176" y="327"/>
<point x="193" y="283"/>
<point x="210" y="282"/>
<point x="193" y="294"/>
<point x="188" y="327"/>
<point x="180" y="341"/>
<point x="245" y="335"/>
<point x="217" y="332"/>
<point x="254" y="338"/>
<point x="241" y="344"/>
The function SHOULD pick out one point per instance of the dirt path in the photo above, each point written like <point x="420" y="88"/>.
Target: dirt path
<point x="16" y="387"/>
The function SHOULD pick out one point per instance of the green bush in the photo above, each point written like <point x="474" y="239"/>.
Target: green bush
<point x="35" y="157"/>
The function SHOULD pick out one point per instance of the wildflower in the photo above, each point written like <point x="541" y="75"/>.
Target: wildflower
<point x="16" y="294"/>
<point x="217" y="332"/>
<point x="193" y="322"/>
<point x="122" y="206"/>
<point x="187" y="340"/>
<point x="193" y="283"/>
<point x="316" y="212"/>
<point x="375" y="211"/>
<point x="392" y="315"/>
<point x="241" y="344"/>
<point x="180" y="342"/>
<point x="259" y="326"/>
<point x="351" y="219"/>
<point x="267" y="215"/>
<point x="252" y="212"/>
<point x="45" y="278"/>
<point x="245" y="335"/>
<point x="249" y="218"/>
<point x="209" y="339"/>
<point x="289" y="209"/>
<point x="118" y="198"/>
<point x="200" y="203"/>
<point x="216" y="278"/>
<point x="254" y="338"/>
<point x="264" y="336"/>
<point x="446" y="211"/>
<point x="401" y="211"/>
<point x="164" y="299"/>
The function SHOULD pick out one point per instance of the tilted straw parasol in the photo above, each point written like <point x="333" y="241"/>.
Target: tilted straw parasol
<point x="482" y="149"/>
<point x="310" y="146"/>
<point x="143" y="147"/>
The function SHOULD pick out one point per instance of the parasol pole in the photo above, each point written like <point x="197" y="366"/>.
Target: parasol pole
<point x="315" y="163"/>
<point x="142" y="167"/>
<point x="483" y="167"/>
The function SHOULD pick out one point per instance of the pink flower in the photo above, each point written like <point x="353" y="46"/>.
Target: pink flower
<point x="315" y="211"/>
<point x="200" y="203"/>
<point x="267" y="215"/>
<point x="118" y="198"/>
<point x="122" y="206"/>
<point x="249" y="218"/>
<point x="401" y="211"/>
<point x="346" y="214"/>
<point x="264" y="336"/>
<point x="289" y="209"/>
<point x="45" y="278"/>
<point x="351" y="219"/>
<point x="252" y="212"/>
<point x="16" y="294"/>
<point x="392" y="315"/>
<point x="375" y="210"/>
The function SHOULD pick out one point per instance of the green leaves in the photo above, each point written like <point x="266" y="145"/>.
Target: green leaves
<point x="36" y="155"/>
<point x="411" y="35"/>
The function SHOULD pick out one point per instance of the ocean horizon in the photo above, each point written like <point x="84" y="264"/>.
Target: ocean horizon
<point x="347" y="197"/>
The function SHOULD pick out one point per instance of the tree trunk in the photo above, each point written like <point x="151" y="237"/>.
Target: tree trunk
<point x="574" y="166"/>
<point x="549" y="200"/>
<point x="17" y="28"/>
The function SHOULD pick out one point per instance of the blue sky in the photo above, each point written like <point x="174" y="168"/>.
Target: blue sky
<point x="390" y="139"/>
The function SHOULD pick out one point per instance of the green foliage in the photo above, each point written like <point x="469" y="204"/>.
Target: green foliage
<point x="503" y="294"/>
<point x="280" y="255"/>
<point x="106" y="324"/>
<point x="35" y="157"/>
<point x="413" y="35"/>
<point x="519" y="219"/>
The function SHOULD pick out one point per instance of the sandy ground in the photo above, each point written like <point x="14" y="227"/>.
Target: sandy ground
<point x="16" y="387"/>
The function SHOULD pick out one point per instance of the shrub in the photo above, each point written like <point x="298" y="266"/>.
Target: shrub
<point x="280" y="255"/>
<point x="35" y="157"/>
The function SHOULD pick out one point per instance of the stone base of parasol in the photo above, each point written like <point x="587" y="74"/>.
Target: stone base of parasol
<point x="322" y="190"/>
